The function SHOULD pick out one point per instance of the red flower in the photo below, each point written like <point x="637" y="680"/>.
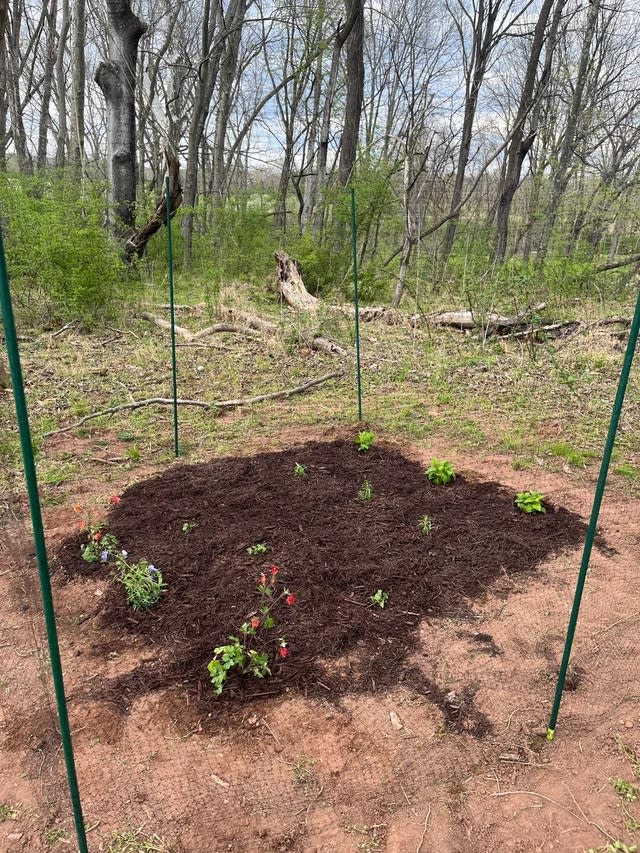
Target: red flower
<point x="255" y="622"/>
<point x="97" y="537"/>
<point x="274" y="570"/>
<point x="114" y="499"/>
<point x="284" y="651"/>
<point x="291" y="599"/>
<point x="262" y="579"/>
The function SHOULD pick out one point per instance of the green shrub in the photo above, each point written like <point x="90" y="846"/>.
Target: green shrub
<point x="62" y="262"/>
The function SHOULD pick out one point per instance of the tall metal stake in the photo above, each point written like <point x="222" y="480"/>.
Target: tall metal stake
<point x="354" y="254"/>
<point x="595" y="511"/>
<point x="167" y="195"/>
<point x="41" y="549"/>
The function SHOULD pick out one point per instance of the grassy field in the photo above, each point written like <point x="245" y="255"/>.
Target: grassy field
<point x="543" y="404"/>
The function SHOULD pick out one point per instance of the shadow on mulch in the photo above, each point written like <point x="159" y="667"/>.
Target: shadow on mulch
<point x="334" y="551"/>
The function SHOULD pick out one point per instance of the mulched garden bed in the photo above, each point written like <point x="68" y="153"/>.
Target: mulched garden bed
<point x="333" y="550"/>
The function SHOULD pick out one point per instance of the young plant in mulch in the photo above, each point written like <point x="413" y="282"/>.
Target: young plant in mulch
<point x="142" y="581"/>
<point x="258" y="642"/>
<point x="530" y="502"/>
<point x="364" y="440"/>
<point x="300" y="470"/>
<point x="259" y="548"/>
<point x="366" y="491"/>
<point x="379" y="598"/>
<point x="188" y="526"/>
<point x="426" y="524"/>
<point x="441" y="472"/>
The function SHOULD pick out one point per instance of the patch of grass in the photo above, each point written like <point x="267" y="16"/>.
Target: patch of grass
<point x="135" y="842"/>
<point x="564" y="450"/>
<point x="631" y="472"/>
<point x="627" y="790"/>
<point x="56" y="474"/>
<point x="9" y="811"/>
<point x="52" y="836"/>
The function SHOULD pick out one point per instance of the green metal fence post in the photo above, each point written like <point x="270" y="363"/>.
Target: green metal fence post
<point x="595" y="511"/>
<point x="356" y="298"/>
<point x="40" y="546"/>
<point x="167" y="195"/>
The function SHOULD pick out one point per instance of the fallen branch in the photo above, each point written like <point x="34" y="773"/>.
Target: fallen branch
<point x="620" y="262"/>
<point x="203" y="333"/>
<point x="137" y="242"/>
<point x="215" y="404"/>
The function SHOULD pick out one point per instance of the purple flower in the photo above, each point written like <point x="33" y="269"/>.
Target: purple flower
<point x="104" y="556"/>
<point x="152" y="570"/>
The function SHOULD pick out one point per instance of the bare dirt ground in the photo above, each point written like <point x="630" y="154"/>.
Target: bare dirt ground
<point x="376" y="771"/>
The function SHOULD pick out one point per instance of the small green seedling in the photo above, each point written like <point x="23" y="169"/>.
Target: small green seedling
<point x="364" y="440"/>
<point x="626" y="789"/>
<point x="260" y="548"/>
<point x="426" y="524"/>
<point x="441" y="472"/>
<point x="530" y="502"/>
<point x="188" y="526"/>
<point x="300" y="470"/>
<point x="366" y="491"/>
<point x="379" y="597"/>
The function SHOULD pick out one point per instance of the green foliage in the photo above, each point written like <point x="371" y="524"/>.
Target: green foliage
<point x="627" y="790"/>
<point x="530" y="502"/>
<point x="188" y="526"/>
<point x="366" y="491"/>
<point x="300" y="470"/>
<point x="135" y="841"/>
<point x="62" y="263"/>
<point x="379" y="598"/>
<point x="142" y="582"/>
<point x="441" y="472"/>
<point x="364" y="440"/>
<point x="426" y="524"/>
<point x="233" y="655"/>
<point x="260" y="548"/>
<point x="616" y="846"/>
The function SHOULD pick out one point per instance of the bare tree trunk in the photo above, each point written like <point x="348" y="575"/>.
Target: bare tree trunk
<point x="61" y="88"/>
<point x="520" y="145"/>
<point x="4" y="136"/>
<point x="228" y="70"/>
<point x="355" y="92"/>
<point x="78" y="76"/>
<point x="116" y="78"/>
<point x="561" y="176"/>
<point x="25" y="165"/>
<point x="47" y="85"/>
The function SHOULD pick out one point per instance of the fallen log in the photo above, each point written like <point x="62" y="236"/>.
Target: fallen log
<point x="490" y="322"/>
<point x="202" y="404"/>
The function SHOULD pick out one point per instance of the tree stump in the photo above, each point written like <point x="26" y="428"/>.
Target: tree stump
<point x="290" y="285"/>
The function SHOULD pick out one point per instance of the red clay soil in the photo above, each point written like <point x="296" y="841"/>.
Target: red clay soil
<point x="333" y="550"/>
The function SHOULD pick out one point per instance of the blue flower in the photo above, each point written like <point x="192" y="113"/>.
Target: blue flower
<point x="104" y="556"/>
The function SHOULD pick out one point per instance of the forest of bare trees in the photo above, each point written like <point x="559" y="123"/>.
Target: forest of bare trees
<point x="512" y="126"/>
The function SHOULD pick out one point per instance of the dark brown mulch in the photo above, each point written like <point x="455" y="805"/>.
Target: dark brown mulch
<point x="334" y="551"/>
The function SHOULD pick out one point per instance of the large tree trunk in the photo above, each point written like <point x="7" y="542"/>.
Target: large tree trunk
<point x="47" y="85"/>
<point x="78" y="73"/>
<point x="117" y="78"/>
<point x="354" y="49"/>
<point x="61" y="89"/>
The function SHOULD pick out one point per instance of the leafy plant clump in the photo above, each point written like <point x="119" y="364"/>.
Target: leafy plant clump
<point x="379" y="598"/>
<point x="188" y="526"/>
<point x="142" y="581"/>
<point x="426" y="524"/>
<point x="626" y="789"/>
<point x="441" y="472"/>
<point x="300" y="470"/>
<point x="259" y="548"/>
<point x="366" y="491"/>
<point x="251" y="651"/>
<point x="364" y="440"/>
<point x="530" y="502"/>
